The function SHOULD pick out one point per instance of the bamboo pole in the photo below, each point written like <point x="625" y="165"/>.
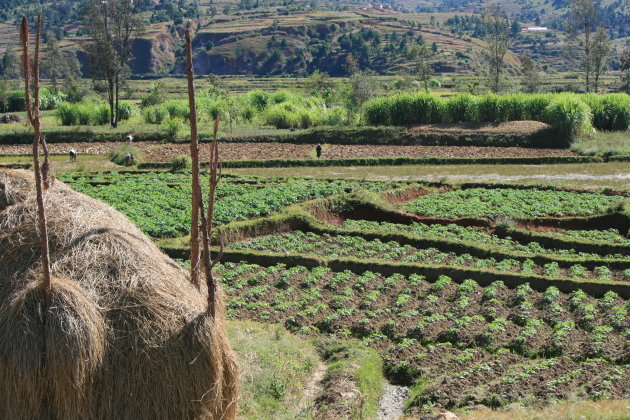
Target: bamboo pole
<point x="32" y="110"/>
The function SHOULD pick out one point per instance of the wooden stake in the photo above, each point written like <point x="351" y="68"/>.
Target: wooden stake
<point x="194" y="155"/>
<point x="32" y="110"/>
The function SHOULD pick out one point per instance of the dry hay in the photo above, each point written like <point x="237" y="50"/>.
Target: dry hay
<point x="126" y="336"/>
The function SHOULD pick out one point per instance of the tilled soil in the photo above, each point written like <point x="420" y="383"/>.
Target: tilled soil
<point x="160" y="152"/>
<point x="445" y="335"/>
<point x="506" y="128"/>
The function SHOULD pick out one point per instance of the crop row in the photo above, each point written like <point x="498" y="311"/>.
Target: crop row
<point x="451" y="333"/>
<point x="506" y="202"/>
<point x="479" y="235"/>
<point x="607" y="235"/>
<point x="162" y="210"/>
<point x="333" y="246"/>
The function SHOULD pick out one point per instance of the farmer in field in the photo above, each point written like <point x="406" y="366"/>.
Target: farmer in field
<point x="128" y="159"/>
<point x="73" y="155"/>
<point x="318" y="150"/>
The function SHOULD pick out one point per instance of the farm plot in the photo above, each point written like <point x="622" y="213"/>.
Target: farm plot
<point x="159" y="203"/>
<point x="508" y="202"/>
<point x="461" y="344"/>
<point x="334" y="246"/>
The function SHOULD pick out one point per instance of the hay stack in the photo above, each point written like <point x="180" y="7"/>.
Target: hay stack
<point x="126" y="336"/>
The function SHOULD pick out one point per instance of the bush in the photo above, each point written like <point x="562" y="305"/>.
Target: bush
<point x="280" y="117"/>
<point x="118" y="155"/>
<point x="173" y="125"/>
<point x="15" y="102"/>
<point x="154" y="114"/>
<point x="181" y="162"/>
<point x="156" y="96"/>
<point x="101" y="115"/>
<point x="125" y="110"/>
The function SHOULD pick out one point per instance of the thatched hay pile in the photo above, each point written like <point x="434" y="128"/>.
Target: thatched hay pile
<point x="126" y="336"/>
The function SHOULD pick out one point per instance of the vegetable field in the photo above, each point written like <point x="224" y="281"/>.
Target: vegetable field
<point x="473" y="295"/>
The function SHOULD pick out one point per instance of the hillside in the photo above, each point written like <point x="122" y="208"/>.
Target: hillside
<point x="267" y="38"/>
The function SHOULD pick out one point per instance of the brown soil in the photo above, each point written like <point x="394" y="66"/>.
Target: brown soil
<point x="159" y="152"/>
<point x="505" y="128"/>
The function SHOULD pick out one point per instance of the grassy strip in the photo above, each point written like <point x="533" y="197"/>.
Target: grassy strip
<point x="275" y="366"/>
<point x="390" y="161"/>
<point x="350" y="359"/>
<point x="81" y="136"/>
<point x="16" y="166"/>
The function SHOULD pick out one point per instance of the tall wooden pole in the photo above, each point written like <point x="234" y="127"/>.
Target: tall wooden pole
<point x="32" y="109"/>
<point x="194" y="155"/>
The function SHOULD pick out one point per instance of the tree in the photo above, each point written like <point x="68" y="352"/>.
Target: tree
<point x="601" y="54"/>
<point x="497" y="30"/>
<point x="420" y="54"/>
<point x="114" y="26"/>
<point x="624" y="67"/>
<point x="55" y="64"/>
<point x="583" y="18"/>
<point x="10" y="65"/>
<point x="531" y="77"/>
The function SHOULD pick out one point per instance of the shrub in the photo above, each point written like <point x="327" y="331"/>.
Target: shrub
<point x="177" y="109"/>
<point x="156" y="96"/>
<point x="125" y="110"/>
<point x="118" y="155"/>
<point x="173" y="125"/>
<point x="280" y="117"/>
<point x="66" y="114"/>
<point x="154" y="114"/>
<point x="49" y="99"/>
<point x="181" y="162"/>
<point x="15" y="101"/>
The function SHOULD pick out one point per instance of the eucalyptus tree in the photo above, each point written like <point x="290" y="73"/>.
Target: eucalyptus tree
<point x="114" y="26"/>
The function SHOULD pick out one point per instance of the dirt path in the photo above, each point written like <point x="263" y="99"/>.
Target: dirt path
<point x="313" y="388"/>
<point x="392" y="402"/>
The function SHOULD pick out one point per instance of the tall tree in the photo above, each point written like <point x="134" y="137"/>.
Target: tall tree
<point x="497" y="28"/>
<point x="10" y="65"/>
<point x="531" y="76"/>
<point x="114" y="26"/>
<point x="584" y="15"/>
<point x="601" y="54"/>
<point x="624" y="67"/>
<point x="420" y="54"/>
<point x="55" y="64"/>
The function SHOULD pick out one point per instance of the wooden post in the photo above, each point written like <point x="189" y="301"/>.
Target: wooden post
<point x="194" y="155"/>
<point x="32" y="109"/>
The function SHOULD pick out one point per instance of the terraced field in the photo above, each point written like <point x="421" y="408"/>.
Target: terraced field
<point x="473" y="295"/>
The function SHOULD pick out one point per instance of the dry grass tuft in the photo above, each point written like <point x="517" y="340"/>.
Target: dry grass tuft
<point x="126" y="336"/>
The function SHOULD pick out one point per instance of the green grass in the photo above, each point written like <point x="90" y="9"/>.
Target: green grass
<point x="603" y="143"/>
<point x="600" y="410"/>
<point x="275" y="367"/>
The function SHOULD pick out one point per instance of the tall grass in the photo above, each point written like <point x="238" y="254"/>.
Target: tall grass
<point x="572" y="114"/>
<point x="610" y="112"/>
<point x="89" y="113"/>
